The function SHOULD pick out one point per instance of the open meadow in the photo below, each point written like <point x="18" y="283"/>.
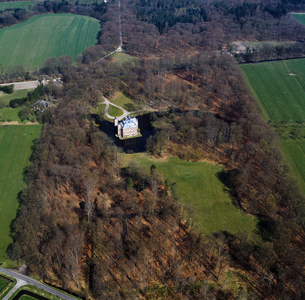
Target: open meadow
<point x="279" y="87"/>
<point x="204" y="187"/>
<point x="15" y="150"/>
<point x="31" y="42"/>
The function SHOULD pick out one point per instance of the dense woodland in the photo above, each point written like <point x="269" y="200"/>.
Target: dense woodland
<point x="92" y="227"/>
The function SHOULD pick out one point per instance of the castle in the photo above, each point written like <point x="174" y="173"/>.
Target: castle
<point x="126" y="128"/>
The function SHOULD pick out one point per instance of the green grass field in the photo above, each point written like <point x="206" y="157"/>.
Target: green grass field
<point x="3" y="283"/>
<point x="280" y="89"/>
<point x="299" y="17"/>
<point x="199" y="185"/>
<point x="31" y="42"/>
<point x="8" y="113"/>
<point x="280" y="94"/>
<point x="24" y="4"/>
<point x="5" y="98"/>
<point x="114" y="111"/>
<point x="15" y="151"/>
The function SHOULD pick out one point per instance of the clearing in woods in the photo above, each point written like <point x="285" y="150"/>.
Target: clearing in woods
<point x="15" y="150"/>
<point x="205" y="187"/>
<point x="31" y="42"/>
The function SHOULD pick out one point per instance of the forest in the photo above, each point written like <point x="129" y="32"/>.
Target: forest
<point x="94" y="228"/>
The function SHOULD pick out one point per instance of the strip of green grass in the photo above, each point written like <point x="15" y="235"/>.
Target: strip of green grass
<point x="6" y="98"/>
<point x="10" y="5"/>
<point x="114" y="111"/>
<point x="294" y="153"/>
<point x="15" y="151"/>
<point x="31" y="42"/>
<point x="3" y="283"/>
<point x="201" y="184"/>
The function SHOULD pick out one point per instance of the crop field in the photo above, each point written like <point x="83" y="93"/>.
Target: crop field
<point x="15" y="151"/>
<point x="16" y="4"/>
<point x="299" y="17"/>
<point x="279" y="87"/>
<point x="203" y="186"/>
<point x="31" y="42"/>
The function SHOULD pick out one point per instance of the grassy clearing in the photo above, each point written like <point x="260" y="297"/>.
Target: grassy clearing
<point x="6" y="98"/>
<point x="280" y="94"/>
<point x="15" y="151"/>
<point x="121" y="57"/>
<point x="114" y="111"/>
<point x="31" y="42"/>
<point x="203" y="186"/>
<point x="299" y="17"/>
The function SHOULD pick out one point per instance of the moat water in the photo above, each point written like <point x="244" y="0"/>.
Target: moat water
<point x="138" y="144"/>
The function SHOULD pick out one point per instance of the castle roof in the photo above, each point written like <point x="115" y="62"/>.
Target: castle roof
<point x="129" y="122"/>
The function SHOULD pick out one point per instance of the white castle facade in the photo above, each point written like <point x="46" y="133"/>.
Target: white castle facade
<point x="126" y="128"/>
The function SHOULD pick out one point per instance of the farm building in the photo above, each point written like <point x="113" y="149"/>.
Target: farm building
<point x="127" y="128"/>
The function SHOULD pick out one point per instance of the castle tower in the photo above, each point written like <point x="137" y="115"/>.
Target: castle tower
<point x="116" y="122"/>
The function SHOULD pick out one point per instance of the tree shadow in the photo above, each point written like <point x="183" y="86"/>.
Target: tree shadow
<point x="224" y="178"/>
<point x="263" y="229"/>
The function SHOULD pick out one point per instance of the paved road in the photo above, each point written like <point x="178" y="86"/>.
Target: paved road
<point x="25" y="85"/>
<point x="31" y="281"/>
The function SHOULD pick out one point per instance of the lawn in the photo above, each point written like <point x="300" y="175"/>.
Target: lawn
<point x="3" y="283"/>
<point x="8" y="114"/>
<point x="30" y="43"/>
<point x="5" y="98"/>
<point x="10" y="5"/>
<point x="121" y="100"/>
<point x="202" y="185"/>
<point x="279" y="87"/>
<point x="114" y="111"/>
<point x="15" y="151"/>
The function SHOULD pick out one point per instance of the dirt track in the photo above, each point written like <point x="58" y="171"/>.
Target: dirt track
<point x="25" y="85"/>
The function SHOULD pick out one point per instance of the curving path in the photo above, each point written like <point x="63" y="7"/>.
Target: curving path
<point x="23" y="280"/>
<point x="107" y="102"/>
